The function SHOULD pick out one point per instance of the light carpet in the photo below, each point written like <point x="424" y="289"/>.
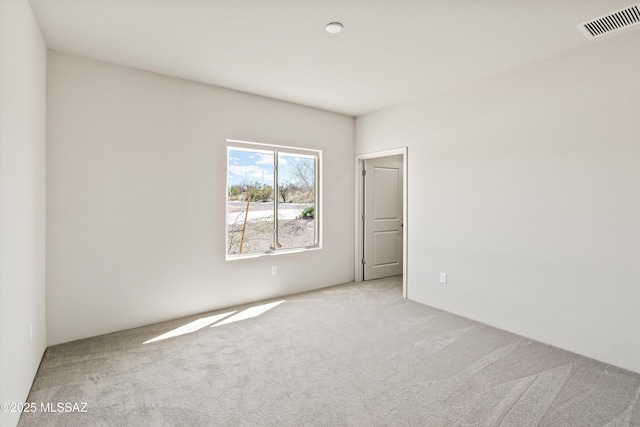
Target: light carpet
<point x="350" y="355"/>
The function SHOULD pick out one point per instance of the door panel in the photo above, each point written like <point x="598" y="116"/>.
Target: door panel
<point x="385" y="181"/>
<point x="383" y="217"/>
<point x="386" y="248"/>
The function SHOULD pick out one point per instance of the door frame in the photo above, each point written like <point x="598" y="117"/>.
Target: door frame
<point x="359" y="199"/>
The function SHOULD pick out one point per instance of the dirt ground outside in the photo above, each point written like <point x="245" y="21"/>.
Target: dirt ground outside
<point x="293" y="232"/>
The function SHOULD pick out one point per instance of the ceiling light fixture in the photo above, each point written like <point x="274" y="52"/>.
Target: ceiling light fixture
<point x="334" y="27"/>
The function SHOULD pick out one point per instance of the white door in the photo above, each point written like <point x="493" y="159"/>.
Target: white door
<point x="382" y="217"/>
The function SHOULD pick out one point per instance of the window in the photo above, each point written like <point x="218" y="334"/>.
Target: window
<point x="272" y="199"/>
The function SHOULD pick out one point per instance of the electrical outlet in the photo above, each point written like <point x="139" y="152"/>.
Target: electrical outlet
<point x="274" y="269"/>
<point x="443" y="277"/>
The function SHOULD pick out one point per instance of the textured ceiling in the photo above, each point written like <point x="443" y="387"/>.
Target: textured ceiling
<point x="389" y="51"/>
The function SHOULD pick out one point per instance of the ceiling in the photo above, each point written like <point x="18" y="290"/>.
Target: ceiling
<point x="389" y="52"/>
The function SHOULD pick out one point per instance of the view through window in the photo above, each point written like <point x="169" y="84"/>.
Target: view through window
<point x="272" y="195"/>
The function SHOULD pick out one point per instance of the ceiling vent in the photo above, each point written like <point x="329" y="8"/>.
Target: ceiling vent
<point x="615" y="21"/>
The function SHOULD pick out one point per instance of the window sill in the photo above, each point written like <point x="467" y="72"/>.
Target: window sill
<point x="236" y="257"/>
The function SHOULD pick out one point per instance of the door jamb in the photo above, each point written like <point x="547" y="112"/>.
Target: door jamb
<point x="359" y="252"/>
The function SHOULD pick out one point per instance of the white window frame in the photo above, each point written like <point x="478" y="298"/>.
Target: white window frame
<point x="317" y="154"/>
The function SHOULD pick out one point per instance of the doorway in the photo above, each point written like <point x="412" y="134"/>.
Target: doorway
<point x="381" y="215"/>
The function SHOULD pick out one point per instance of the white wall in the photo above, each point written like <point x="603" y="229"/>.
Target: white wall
<point x="525" y="189"/>
<point x="23" y="57"/>
<point x="136" y="171"/>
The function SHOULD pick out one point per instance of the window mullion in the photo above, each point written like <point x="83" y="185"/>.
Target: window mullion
<point x="275" y="200"/>
<point x="316" y="195"/>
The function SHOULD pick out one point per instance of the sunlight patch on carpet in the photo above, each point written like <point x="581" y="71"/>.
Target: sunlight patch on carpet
<point x="190" y="327"/>
<point x="249" y="313"/>
<point x="217" y="320"/>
